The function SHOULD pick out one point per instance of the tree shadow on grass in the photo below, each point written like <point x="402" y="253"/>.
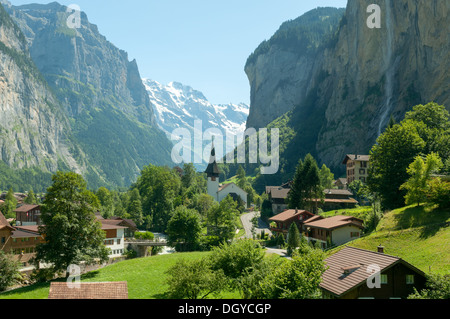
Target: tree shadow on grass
<point x="90" y="275"/>
<point x="429" y="218"/>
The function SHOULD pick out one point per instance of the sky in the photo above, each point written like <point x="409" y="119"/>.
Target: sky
<point x="201" y="43"/>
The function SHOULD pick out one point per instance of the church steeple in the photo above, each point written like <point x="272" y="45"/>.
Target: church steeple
<point x="213" y="170"/>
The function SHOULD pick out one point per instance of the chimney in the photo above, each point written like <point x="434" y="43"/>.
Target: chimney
<point x="381" y="249"/>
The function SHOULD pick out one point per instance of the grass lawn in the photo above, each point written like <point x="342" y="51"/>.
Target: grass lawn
<point x="418" y="235"/>
<point x="358" y="212"/>
<point x="145" y="276"/>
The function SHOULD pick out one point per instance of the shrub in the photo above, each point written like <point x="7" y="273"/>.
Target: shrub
<point x="9" y="271"/>
<point x="145" y="236"/>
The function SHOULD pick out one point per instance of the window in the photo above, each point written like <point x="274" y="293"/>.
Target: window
<point x="362" y="171"/>
<point x="410" y="279"/>
<point x="3" y="240"/>
<point x="384" y="279"/>
<point x="354" y="234"/>
<point x="118" y="241"/>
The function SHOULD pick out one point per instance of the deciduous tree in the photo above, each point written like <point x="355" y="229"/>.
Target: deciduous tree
<point x="72" y="232"/>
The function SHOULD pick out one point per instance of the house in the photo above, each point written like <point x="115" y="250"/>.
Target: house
<point x="350" y="273"/>
<point x="341" y="183"/>
<point x="20" y="242"/>
<point x="129" y="224"/>
<point x="89" y="290"/>
<point x="338" y="199"/>
<point x="280" y="223"/>
<point x="220" y="192"/>
<point x="332" y="231"/>
<point x="278" y="198"/>
<point x="28" y="215"/>
<point x="357" y="167"/>
<point x="115" y="236"/>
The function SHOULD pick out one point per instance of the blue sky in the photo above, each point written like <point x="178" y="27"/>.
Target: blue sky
<point x="201" y="43"/>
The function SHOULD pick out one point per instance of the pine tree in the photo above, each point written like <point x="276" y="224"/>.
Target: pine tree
<point x="294" y="240"/>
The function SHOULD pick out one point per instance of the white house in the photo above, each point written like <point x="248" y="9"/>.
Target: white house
<point x="115" y="238"/>
<point x="220" y="192"/>
<point x="336" y="230"/>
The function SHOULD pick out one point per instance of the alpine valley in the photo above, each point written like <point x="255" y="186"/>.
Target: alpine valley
<point x="71" y="100"/>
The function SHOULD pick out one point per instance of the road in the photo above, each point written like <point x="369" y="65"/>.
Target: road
<point x="246" y="220"/>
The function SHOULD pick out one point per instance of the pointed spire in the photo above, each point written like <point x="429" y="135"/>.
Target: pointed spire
<point x="212" y="170"/>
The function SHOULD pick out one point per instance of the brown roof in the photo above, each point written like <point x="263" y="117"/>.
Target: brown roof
<point x="33" y="229"/>
<point x="337" y="192"/>
<point x="335" y="222"/>
<point x="348" y="268"/>
<point x="19" y="233"/>
<point x="280" y="193"/>
<point x="289" y="214"/>
<point x="89" y="290"/>
<point x="110" y="226"/>
<point x="336" y="200"/>
<point x="353" y="157"/>
<point x="3" y="222"/>
<point x="26" y="208"/>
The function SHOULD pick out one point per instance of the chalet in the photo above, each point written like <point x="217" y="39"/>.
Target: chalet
<point x="349" y="271"/>
<point x="281" y="222"/>
<point x="89" y="290"/>
<point x="220" y="192"/>
<point x="338" y="199"/>
<point x="357" y="167"/>
<point x="278" y="198"/>
<point x="129" y="224"/>
<point x="20" y="242"/>
<point x="336" y="230"/>
<point x="115" y="235"/>
<point x="341" y="183"/>
<point x="28" y="215"/>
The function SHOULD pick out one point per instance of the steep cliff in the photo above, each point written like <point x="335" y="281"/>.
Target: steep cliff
<point x="364" y="75"/>
<point x="281" y="68"/>
<point x="34" y="131"/>
<point x="101" y="90"/>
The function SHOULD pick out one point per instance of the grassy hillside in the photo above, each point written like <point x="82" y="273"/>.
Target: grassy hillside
<point x="145" y="276"/>
<point x="419" y="235"/>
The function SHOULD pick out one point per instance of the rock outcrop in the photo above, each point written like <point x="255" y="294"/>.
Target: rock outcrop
<point x="34" y="131"/>
<point x="359" y="78"/>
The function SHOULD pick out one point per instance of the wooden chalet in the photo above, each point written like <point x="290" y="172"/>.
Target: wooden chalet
<point x="350" y="275"/>
<point x="281" y="222"/>
<point x="28" y="215"/>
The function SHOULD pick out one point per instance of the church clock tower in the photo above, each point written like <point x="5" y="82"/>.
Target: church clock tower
<point x="213" y="173"/>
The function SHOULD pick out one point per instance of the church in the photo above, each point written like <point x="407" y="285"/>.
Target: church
<point x="220" y="192"/>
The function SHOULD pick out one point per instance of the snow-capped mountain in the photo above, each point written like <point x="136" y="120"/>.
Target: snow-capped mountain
<point x="178" y="106"/>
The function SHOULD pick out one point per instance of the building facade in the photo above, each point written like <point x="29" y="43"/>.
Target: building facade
<point x="357" y="167"/>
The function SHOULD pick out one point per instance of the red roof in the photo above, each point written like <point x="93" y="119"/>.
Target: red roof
<point x="89" y="290"/>
<point x="290" y="214"/>
<point x="335" y="222"/>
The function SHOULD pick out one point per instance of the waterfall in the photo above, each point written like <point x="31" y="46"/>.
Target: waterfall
<point x="390" y="69"/>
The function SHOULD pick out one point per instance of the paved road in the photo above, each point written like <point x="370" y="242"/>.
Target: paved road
<point x="248" y="225"/>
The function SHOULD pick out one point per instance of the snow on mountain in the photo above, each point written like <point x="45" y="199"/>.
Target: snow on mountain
<point x="178" y="106"/>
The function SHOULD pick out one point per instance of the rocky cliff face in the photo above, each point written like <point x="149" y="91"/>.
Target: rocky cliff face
<point x="364" y="75"/>
<point x="101" y="90"/>
<point x="33" y="128"/>
<point x="280" y="69"/>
